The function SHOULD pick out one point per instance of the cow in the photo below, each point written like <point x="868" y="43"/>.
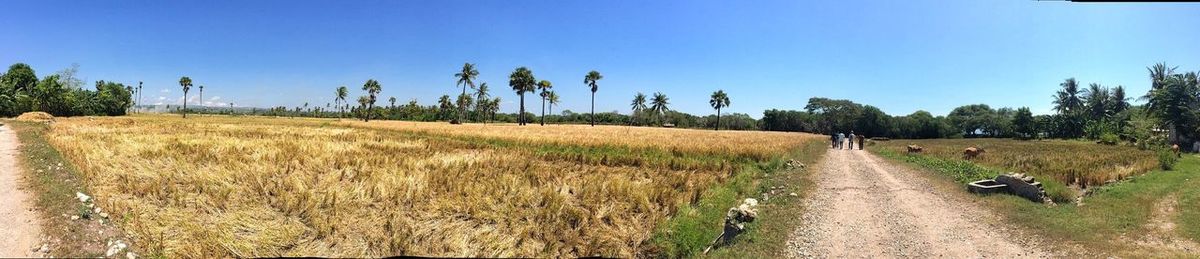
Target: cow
<point x="915" y="149"/>
<point x="1175" y="149"/>
<point x="972" y="152"/>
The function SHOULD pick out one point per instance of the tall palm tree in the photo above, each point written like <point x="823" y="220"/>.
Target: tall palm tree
<point x="186" y="83"/>
<point x="658" y="105"/>
<point x="1096" y="99"/>
<point x="590" y="80"/>
<point x="201" y="96"/>
<point x="340" y="95"/>
<point x="719" y="100"/>
<point x="545" y="86"/>
<point x="373" y="88"/>
<point x="139" y="92"/>
<point x="493" y="107"/>
<point x="1067" y="100"/>
<point x="481" y="100"/>
<point x="521" y="80"/>
<point x="1159" y="73"/>
<point x="444" y="105"/>
<point x="466" y="77"/>
<point x="1119" y="102"/>
<point x="552" y="98"/>
<point x="638" y="105"/>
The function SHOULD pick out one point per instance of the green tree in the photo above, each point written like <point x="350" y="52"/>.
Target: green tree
<point x="444" y="107"/>
<point x="340" y="97"/>
<point x="186" y="83"/>
<point x="481" y="100"/>
<point x="522" y="81"/>
<point x="545" y="86"/>
<point x="466" y="77"/>
<point x="1096" y="100"/>
<point x="718" y="100"/>
<point x="972" y="120"/>
<point x="552" y="98"/>
<point x="658" y="105"/>
<point x="373" y="88"/>
<point x="202" y="97"/>
<point x="1118" y="102"/>
<point x="19" y="78"/>
<point x="638" y="106"/>
<point x="590" y="80"/>
<point x="1023" y="123"/>
<point x="1067" y="100"/>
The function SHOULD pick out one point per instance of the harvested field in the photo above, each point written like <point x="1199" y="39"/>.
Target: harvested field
<point x="249" y="186"/>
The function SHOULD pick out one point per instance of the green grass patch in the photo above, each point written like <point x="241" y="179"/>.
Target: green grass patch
<point x="963" y="172"/>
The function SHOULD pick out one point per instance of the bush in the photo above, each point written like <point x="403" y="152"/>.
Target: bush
<point x="1167" y="158"/>
<point x="1109" y="139"/>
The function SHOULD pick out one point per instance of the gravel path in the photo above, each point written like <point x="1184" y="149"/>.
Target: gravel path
<point x="21" y="229"/>
<point x="865" y="207"/>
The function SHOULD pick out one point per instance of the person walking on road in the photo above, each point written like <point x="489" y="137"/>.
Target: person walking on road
<point x="832" y="140"/>
<point x="850" y="141"/>
<point x="841" y="137"/>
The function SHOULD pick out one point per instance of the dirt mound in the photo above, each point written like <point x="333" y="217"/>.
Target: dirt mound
<point x="35" y="116"/>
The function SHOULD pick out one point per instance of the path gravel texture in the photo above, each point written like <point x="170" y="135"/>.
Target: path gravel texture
<point x="21" y="229"/>
<point x="865" y="207"/>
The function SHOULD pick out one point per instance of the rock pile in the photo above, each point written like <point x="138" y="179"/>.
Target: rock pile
<point x="792" y="163"/>
<point x="1023" y="185"/>
<point x="735" y="221"/>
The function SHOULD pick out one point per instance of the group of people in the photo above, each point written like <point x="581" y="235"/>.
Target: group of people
<point x="840" y="140"/>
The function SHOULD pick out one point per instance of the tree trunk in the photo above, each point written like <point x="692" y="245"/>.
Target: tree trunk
<point x="521" y="119"/>
<point x="593" y="108"/>
<point x="718" y="127"/>
<point x="543" y="120"/>
<point x="185" y="104"/>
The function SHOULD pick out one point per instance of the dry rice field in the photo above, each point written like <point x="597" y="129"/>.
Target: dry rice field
<point x="1069" y="162"/>
<point x="213" y="186"/>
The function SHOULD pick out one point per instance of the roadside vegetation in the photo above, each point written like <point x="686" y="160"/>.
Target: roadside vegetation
<point x="249" y="186"/>
<point x="60" y="94"/>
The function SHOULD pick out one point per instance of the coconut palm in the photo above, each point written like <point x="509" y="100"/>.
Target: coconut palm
<point x="1096" y="98"/>
<point x="1067" y="100"/>
<point x="481" y="99"/>
<point x="590" y="80"/>
<point x="658" y="105"/>
<point x="340" y="95"/>
<point x="521" y="80"/>
<point x="545" y="86"/>
<point x="1119" y="101"/>
<point x="552" y="98"/>
<point x="373" y="88"/>
<point x="719" y="100"/>
<point x="444" y="105"/>
<point x="466" y="77"/>
<point x="638" y="105"/>
<point x="493" y="107"/>
<point x="186" y="83"/>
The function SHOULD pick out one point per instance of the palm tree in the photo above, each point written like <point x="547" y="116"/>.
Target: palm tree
<point x="638" y="105"/>
<point x="373" y="88"/>
<point x="521" y="80"/>
<point x="719" y="100"/>
<point x="464" y="100"/>
<point x="1119" y="102"/>
<point x="494" y="107"/>
<point x="545" y="86"/>
<point x="340" y="95"/>
<point x="658" y="105"/>
<point x="139" y="92"/>
<point x="1067" y="100"/>
<point x="186" y="83"/>
<point x="481" y="99"/>
<point x="590" y="80"/>
<point x="201" y="96"/>
<point x="1096" y="98"/>
<point x="466" y="78"/>
<point x="552" y="98"/>
<point x="444" y="105"/>
<point x="392" y="110"/>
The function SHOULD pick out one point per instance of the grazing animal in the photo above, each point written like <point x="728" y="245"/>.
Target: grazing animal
<point x="1175" y="148"/>
<point x="915" y="149"/>
<point x="972" y="152"/>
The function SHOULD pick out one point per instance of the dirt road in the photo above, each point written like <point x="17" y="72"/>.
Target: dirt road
<point x="865" y="207"/>
<point x="20" y="229"/>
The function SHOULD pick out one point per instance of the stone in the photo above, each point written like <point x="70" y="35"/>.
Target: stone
<point x="82" y="197"/>
<point x="104" y="215"/>
<point x="44" y="249"/>
<point x="74" y="217"/>
<point x="1019" y="187"/>
<point x="793" y="194"/>
<point x="130" y="255"/>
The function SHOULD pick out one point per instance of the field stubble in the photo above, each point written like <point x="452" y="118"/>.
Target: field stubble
<point x="224" y="186"/>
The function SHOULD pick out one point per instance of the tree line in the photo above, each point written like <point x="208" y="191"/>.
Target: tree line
<point x="1096" y="112"/>
<point x="60" y="94"/>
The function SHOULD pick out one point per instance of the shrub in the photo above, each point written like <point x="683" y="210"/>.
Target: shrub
<point x="1167" y="158"/>
<point x="1109" y="139"/>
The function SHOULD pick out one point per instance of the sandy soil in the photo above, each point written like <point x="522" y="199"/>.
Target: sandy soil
<point x="864" y="207"/>
<point x="21" y="229"/>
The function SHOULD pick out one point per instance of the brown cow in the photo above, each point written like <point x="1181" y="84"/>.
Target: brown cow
<point x="915" y="149"/>
<point x="972" y="152"/>
<point x="1175" y="148"/>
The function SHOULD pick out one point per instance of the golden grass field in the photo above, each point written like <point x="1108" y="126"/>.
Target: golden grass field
<point x="1069" y="162"/>
<point x="214" y="186"/>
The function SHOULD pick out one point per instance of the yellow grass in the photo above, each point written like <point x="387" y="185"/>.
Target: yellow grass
<point x="250" y="186"/>
<point x="1069" y="162"/>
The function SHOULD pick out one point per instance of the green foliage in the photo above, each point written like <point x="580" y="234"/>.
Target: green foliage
<point x="963" y="172"/>
<point x="1023" y="123"/>
<point x="1167" y="158"/>
<point x="1109" y="139"/>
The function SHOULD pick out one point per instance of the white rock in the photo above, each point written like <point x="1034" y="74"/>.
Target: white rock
<point x="96" y="210"/>
<point x="44" y="249"/>
<point x="75" y="217"/>
<point x="104" y="215"/>
<point x="793" y="194"/>
<point x="130" y="255"/>
<point x="82" y="197"/>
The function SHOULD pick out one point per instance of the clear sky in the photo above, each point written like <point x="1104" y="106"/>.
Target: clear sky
<point x="900" y="56"/>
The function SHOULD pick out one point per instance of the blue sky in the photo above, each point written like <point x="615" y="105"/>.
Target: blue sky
<point x="900" y="56"/>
